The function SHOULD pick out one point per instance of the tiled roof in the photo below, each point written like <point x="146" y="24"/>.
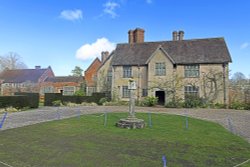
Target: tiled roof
<point x="21" y="75"/>
<point x="65" y="79"/>
<point x="200" y="51"/>
<point x="97" y="60"/>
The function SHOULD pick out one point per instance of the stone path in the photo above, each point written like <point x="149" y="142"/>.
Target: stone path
<point x="239" y="120"/>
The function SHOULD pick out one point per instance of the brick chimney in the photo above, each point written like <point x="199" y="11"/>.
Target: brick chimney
<point x="139" y="35"/>
<point x="136" y="36"/>
<point x="131" y="36"/>
<point x="181" y="35"/>
<point x="105" y="55"/>
<point x="175" y="36"/>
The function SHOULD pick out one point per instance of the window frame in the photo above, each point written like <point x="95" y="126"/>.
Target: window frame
<point x="68" y="94"/>
<point x="48" y="89"/>
<point x="109" y="76"/>
<point x="144" y="92"/>
<point x="191" y="90"/>
<point x="160" y="69"/>
<point x="125" y="92"/>
<point x="192" y="71"/>
<point x="127" y="71"/>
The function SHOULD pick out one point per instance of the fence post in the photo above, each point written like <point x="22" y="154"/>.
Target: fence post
<point x="164" y="160"/>
<point x="2" y="122"/>
<point x="105" y="119"/>
<point x="186" y="122"/>
<point x="230" y="125"/>
<point x="79" y="114"/>
<point x="150" y="120"/>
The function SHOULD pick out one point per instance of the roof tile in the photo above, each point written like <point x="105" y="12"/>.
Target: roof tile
<point x="196" y="51"/>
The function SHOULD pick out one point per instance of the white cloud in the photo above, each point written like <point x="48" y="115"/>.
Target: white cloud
<point x="149" y="1"/>
<point x="91" y="51"/>
<point x="71" y="14"/>
<point x="244" y="45"/>
<point x="110" y="7"/>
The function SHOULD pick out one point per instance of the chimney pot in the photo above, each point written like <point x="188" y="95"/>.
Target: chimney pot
<point x="181" y="35"/>
<point x="105" y="55"/>
<point x="175" y="36"/>
<point x="37" y="67"/>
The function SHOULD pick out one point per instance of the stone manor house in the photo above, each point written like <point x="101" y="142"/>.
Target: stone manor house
<point x="170" y="70"/>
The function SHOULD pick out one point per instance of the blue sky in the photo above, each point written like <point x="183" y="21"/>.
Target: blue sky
<point x="68" y="33"/>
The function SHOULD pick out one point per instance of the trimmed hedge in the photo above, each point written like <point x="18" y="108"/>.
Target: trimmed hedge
<point x="50" y="97"/>
<point x="33" y="98"/>
<point x="97" y="96"/>
<point x="14" y="101"/>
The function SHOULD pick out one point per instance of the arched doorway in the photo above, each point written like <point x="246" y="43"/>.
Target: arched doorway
<point x="161" y="97"/>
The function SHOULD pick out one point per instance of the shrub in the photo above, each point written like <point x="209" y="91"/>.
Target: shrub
<point x="88" y="104"/>
<point x="150" y="101"/>
<point x="193" y="101"/>
<point x="116" y="103"/>
<point x="247" y="106"/>
<point x="174" y="104"/>
<point x="11" y="109"/>
<point x="102" y="101"/>
<point x="239" y="106"/>
<point x="79" y="93"/>
<point x="2" y="110"/>
<point x="69" y="104"/>
<point x="96" y="97"/>
<point x="57" y="103"/>
<point x="219" y="105"/>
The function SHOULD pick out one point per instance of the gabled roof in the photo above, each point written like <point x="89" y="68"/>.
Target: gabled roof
<point x="166" y="54"/>
<point x="22" y="75"/>
<point x="97" y="60"/>
<point x="65" y="79"/>
<point x="109" y="56"/>
<point x="196" y="51"/>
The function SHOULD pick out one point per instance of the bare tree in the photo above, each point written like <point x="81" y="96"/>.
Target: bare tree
<point x="240" y="88"/>
<point x="238" y="77"/>
<point x="172" y="86"/>
<point x="10" y="61"/>
<point x="212" y="85"/>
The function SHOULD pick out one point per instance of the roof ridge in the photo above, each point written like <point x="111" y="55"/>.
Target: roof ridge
<point x="26" y="69"/>
<point x="204" y="50"/>
<point x="195" y="39"/>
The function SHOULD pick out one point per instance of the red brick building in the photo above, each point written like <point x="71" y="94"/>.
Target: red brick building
<point x="90" y="76"/>
<point x="23" y="80"/>
<point x="91" y="73"/>
<point x="67" y="85"/>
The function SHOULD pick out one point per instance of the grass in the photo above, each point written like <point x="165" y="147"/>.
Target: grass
<point x="86" y="142"/>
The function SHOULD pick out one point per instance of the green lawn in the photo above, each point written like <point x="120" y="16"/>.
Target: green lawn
<point x="86" y="142"/>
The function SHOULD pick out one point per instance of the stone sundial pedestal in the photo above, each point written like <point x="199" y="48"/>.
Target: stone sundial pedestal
<point x="131" y="122"/>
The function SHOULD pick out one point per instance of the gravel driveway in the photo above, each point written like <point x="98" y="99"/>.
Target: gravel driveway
<point x="236" y="121"/>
